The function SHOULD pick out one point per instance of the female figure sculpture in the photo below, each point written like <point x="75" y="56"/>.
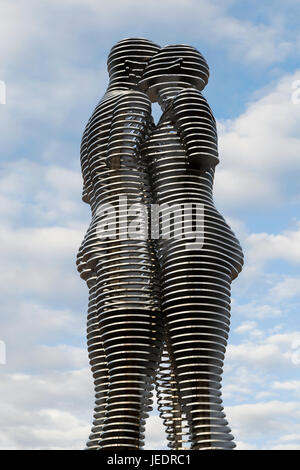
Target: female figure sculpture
<point x="195" y="283"/>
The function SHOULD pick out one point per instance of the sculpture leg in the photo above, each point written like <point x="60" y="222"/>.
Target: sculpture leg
<point x="196" y="308"/>
<point x="98" y="364"/>
<point x="131" y="366"/>
<point x="132" y="336"/>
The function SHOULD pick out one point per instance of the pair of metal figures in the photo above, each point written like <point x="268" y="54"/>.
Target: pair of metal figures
<point x="159" y="311"/>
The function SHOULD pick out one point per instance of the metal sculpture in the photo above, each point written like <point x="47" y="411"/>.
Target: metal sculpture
<point x="145" y="294"/>
<point x="124" y="330"/>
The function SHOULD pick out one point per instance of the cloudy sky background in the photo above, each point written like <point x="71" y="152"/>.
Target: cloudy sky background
<point x="53" y="61"/>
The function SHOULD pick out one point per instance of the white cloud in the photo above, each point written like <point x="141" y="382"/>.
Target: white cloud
<point x="155" y="433"/>
<point x="209" y="21"/>
<point x="40" y="194"/>
<point x="260" y="149"/>
<point x="40" y="261"/>
<point x="292" y="385"/>
<point x="268" y="420"/>
<point x="286" y="289"/>
<point x="54" y="411"/>
<point x="46" y="390"/>
<point x="46" y="411"/>
<point x="240" y="445"/>
<point x="45" y="109"/>
<point x="273" y="352"/>
<point x="49" y="429"/>
<point x="36" y="321"/>
<point x="257" y="282"/>
<point x="231" y="182"/>
<point x="288" y="442"/>
<point x="258" y="311"/>
<point x="62" y="429"/>
<point x="235" y="389"/>
<point x="289" y="446"/>
<point x="245" y="327"/>
<point x="42" y="226"/>
<point x="14" y="31"/>
<point x="286" y="246"/>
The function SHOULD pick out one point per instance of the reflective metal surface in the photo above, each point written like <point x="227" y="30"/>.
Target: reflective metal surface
<point x="144" y="294"/>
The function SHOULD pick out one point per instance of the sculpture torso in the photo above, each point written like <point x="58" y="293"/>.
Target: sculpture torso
<point x="103" y="185"/>
<point x="174" y="182"/>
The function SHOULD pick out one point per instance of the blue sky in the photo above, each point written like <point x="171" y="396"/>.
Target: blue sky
<point x="53" y="61"/>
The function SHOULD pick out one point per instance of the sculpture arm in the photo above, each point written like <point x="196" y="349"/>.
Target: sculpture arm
<point x="196" y="126"/>
<point x="130" y="121"/>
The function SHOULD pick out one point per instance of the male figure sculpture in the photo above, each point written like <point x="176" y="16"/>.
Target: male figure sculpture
<point x="195" y="283"/>
<point x="123" y="330"/>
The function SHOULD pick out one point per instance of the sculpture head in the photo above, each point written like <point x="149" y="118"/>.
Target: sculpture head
<point x="127" y="60"/>
<point x="174" y="66"/>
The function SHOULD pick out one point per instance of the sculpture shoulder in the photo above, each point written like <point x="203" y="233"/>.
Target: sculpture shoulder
<point x="191" y="99"/>
<point x="113" y="102"/>
<point x="127" y="103"/>
<point x="138" y="94"/>
<point x="134" y="95"/>
<point x="116" y="95"/>
<point x="190" y="94"/>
